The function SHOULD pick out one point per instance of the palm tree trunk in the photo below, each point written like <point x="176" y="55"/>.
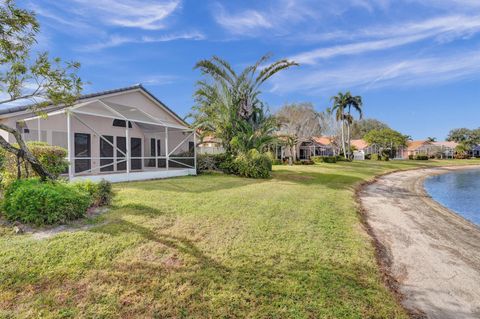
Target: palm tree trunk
<point x="343" y="140"/>
<point x="348" y="139"/>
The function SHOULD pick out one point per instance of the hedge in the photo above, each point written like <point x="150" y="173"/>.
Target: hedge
<point x="53" y="158"/>
<point x="324" y="159"/>
<point x="32" y="201"/>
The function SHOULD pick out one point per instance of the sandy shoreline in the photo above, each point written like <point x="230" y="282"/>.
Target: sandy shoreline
<point x="432" y="254"/>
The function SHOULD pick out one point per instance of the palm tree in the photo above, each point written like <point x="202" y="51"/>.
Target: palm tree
<point x="343" y="105"/>
<point x="237" y="96"/>
<point x="355" y="103"/>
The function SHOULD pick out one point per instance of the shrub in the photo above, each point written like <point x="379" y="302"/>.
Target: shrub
<point x="36" y="202"/>
<point x="421" y="158"/>
<point x="385" y="158"/>
<point x="375" y="157"/>
<point x="253" y="164"/>
<point x="100" y="193"/>
<point x="329" y="159"/>
<point x="411" y="157"/>
<point x="342" y="159"/>
<point x="53" y="158"/>
<point x="210" y="162"/>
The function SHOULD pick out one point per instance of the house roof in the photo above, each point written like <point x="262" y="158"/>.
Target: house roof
<point x="324" y="140"/>
<point x="359" y="144"/>
<point x="446" y="144"/>
<point x="414" y="145"/>
<point x="21" y="108"/>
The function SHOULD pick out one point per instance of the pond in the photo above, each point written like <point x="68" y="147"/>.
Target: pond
<point x="458" y="191"/>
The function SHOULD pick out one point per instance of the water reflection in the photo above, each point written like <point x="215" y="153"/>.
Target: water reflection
<point x="458" y="191"/>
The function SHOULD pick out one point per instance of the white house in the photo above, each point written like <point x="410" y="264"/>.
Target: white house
<point x="119" y="135"/>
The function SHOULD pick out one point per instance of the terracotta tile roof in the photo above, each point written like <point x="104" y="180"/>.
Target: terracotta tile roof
<point x="446" y="144"/>
<point x="359" y="144"/>
<point x="324" y="140"/>
<point x="414" y="145"/>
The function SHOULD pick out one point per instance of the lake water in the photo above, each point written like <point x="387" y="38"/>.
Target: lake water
<point x="458" y="191"/>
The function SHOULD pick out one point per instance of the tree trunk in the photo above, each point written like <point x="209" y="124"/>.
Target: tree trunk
<point x="23" y="152"/>
<point x="343" y="140"/>
<point x="348" y="139"/>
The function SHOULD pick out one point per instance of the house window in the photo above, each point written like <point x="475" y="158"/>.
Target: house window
<point x="191" y="148"/>
<point x="121" y="123"/>
<point x="121" y="147"/>
<point x="136" y="151"/>
<point x="106" y="153"/>
<point x="82" y="149"/>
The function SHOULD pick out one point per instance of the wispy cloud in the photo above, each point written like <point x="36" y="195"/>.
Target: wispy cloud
<point x="117" y="40"/>
<point x="242" y="22"/>
<point x="441" y="29"/>
<point x="148" y="15"/>
<point x="382" y="73"/>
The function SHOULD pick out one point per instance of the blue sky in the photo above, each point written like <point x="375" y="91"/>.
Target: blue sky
<point x="416" y="63"/>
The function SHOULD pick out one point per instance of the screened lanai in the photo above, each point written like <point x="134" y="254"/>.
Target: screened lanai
<point x="116" y="142"/>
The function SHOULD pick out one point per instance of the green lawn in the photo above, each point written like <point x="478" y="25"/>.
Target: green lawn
<point x="211" y="246"/>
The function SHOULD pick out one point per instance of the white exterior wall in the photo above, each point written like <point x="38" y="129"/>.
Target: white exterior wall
<point x="53" y="127"/>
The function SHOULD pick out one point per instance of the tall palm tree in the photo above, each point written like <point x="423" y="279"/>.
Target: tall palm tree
<point x="343" y="104"/>
<point x="353" y="103"/>
<point x="238" y="95"/>
<point x="339" y="105"/>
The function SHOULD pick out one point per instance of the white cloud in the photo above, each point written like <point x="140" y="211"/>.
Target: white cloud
<point x="243" y="22"/>
<point x="117" y="40"/>
<point x="441" y="29"/>
<point x="371" y="74"/>
<point x="148" y="15"/>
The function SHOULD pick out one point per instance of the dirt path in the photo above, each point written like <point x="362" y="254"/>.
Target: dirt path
<point x="433" y="254"/>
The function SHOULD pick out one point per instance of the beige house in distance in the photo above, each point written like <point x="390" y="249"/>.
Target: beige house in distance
<point x="120" y="135"/>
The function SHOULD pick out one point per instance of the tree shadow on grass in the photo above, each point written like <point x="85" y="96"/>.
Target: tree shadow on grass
<point x="332" y="181"/>
<point x="198" y="184"/>
<point x="253" y="284"/>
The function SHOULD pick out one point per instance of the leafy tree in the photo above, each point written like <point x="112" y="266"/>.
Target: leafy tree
<point x="331" y="128"/>
<point x="228" y="106"/>
<point x="298" y="121"/>
<point x="363" y="126"/>
<point x="465" y="136"/>
<point x="343" y="105"/>
<point x="30" y="78"/>
<point x="386" y="139"/>
<point x="431" y="139"/>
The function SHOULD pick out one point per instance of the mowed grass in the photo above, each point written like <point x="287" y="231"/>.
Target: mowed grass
<point x="211" y="246"/>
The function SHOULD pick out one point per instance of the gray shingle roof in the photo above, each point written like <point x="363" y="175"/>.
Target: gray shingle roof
<point x="21" y="108"/>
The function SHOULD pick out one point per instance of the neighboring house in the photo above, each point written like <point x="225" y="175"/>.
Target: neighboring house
<point x="210" y="145"/>
<point x="119" y="135"/>
<point x="446" y="149"/>
<point x="443" y="149"/>
<point x="476" y="151"/>
<point x="415" y="148"/>
<point x="306" y="148"/>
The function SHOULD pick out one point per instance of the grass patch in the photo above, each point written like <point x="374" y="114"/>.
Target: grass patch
<point x="211" y="246"/>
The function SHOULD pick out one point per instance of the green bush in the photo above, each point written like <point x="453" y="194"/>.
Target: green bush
<point x="411" y="157"/>
<point x="210" y="162"/>
<point x="385" y="158"/>
<point x="35" y="202"/>
<point x="253" y="164"/>
<point x="329" y="159"/>
<point x="375" y="157"/>
<point x="100" y="193"/>
<point x="342" y="159"/>
<point x="53" y="158"/>
<point x="421" y="158"/>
